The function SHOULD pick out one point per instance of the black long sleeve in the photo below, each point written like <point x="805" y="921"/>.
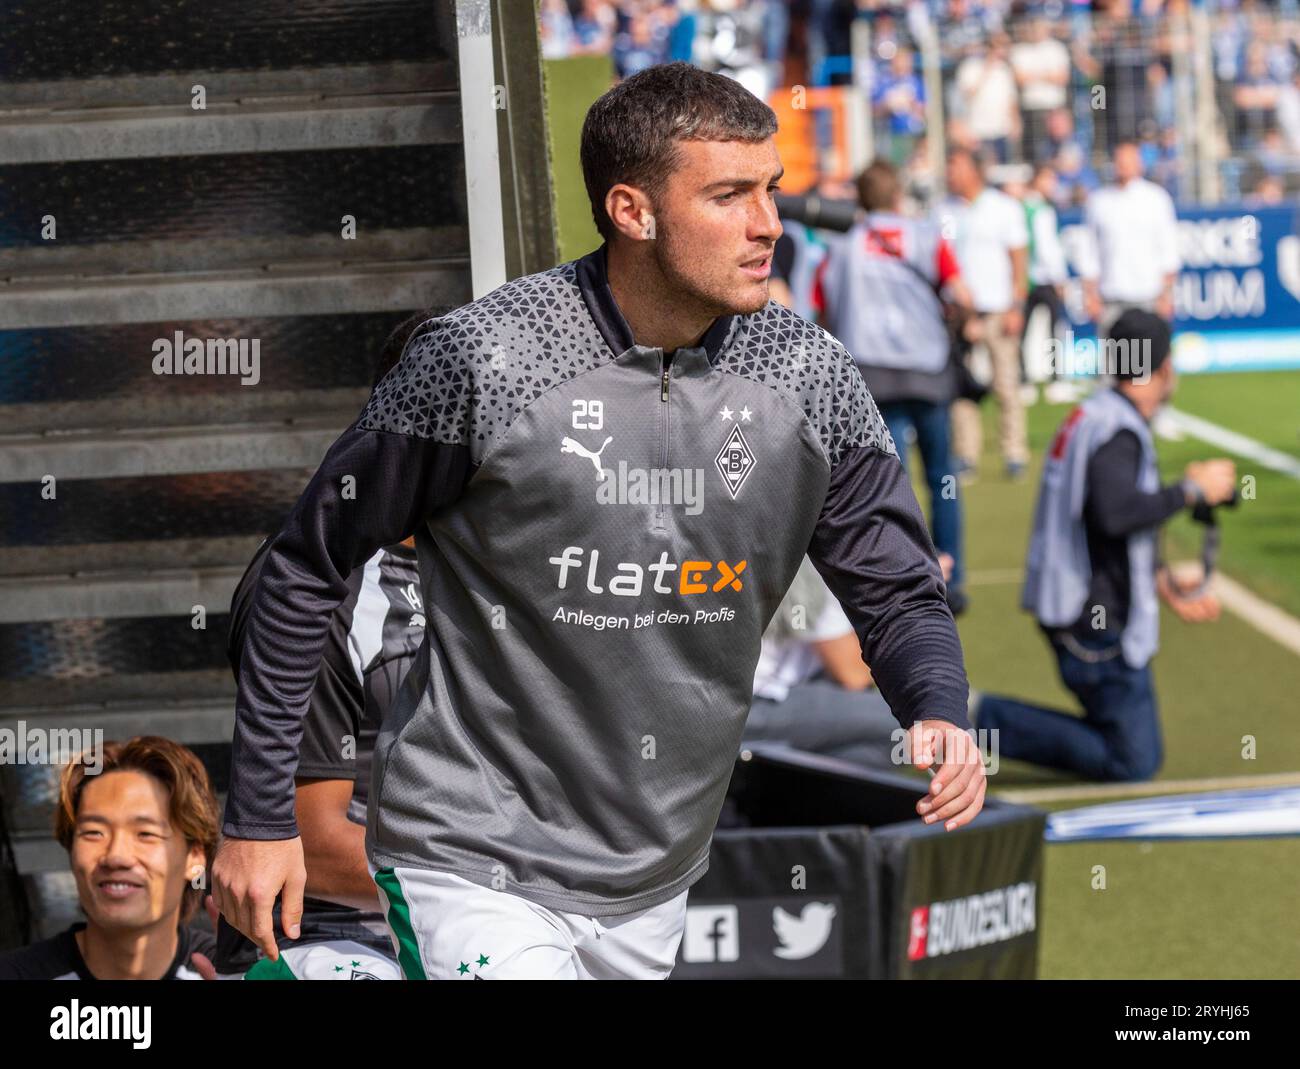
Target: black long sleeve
<point x="1115" y="506"/>
<point x="873" y="548"/>
<point x="372" y="489"/>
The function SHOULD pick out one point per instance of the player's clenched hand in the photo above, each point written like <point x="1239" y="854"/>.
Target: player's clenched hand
<point x="248" y="874"/>
<point x="956" y="792"/>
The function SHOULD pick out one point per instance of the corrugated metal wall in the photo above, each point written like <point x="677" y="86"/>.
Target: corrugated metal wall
<point x="130" y="218"/>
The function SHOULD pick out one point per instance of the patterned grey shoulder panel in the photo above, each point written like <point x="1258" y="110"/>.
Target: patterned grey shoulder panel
<point x="787" y="353"/>
<point x="464" y="377"/>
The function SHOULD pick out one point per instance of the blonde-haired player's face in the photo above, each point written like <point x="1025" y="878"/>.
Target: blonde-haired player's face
<point x="130" y="862"/>
<point x="716" y="223"/>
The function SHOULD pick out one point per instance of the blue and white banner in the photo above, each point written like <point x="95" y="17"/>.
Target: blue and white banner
<point x="1258" y="812"/>
<point x="1237" y="297"/>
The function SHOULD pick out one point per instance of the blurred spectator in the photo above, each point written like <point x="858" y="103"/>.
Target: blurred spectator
<point x="555" y="29"/>
<point x="986" y="89"/>
<point x="639" y="46"/>
<point x="1075" y="177"/>
<point x="1059" y="132"/>
<point x="987" y="230"/>
<point x="593" y="28"/>
<point x="899" y="97"/>
<point x="1164" y="110"/>
<point x="965" y="26"/>
<point x="731" y="42"/>
<point x="1266" y="190"/>
<point x="1129" y="257"/>
<point x="1047" y="274"/>
<point x="679" y="17"/>
<point x="920" y="182"/>
<point x="1271" y="153"/>
<point x="1255" y="95"/>
<point x="1166" y="167"/>
<point x="879" y="291"/>
<point x="140" y="837"/>
<point x="776" y="36"/>
<point x="1117" y="60"/>
<point x="1288" y="113"/>
<point x="1042" y="68"/>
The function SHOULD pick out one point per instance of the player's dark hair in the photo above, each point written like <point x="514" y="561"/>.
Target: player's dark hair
<point x="630" y="135"/>
<point x="879" y="187"/>
<point x="1146" y="337"/>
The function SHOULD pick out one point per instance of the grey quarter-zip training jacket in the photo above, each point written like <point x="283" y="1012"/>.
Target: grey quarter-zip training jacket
<point x="603" y="531"/>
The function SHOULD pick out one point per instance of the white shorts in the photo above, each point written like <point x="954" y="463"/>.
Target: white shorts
<point x="335" y="959"/>
<point x="446" y="928"/>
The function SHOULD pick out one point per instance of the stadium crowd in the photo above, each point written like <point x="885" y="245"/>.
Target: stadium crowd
<point x="1029" y="82"/>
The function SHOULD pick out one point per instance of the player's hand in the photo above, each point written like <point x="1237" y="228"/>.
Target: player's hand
<point x="957" y="790"/>
<point x="248" y="875"/>
<point x="1217" y="479"/>
<point x="1012" y="322"/>
<point x="1165" y="306"/>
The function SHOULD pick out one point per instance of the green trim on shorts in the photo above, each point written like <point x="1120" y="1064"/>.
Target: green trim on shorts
<point x="399" y="919"/>
<point x="266" y="969"/>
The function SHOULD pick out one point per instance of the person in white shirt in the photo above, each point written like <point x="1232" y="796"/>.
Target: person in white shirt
<point x="986" y="87"/>
<point x="1129" y="257"/>
<point x="812" y="690"/>
<point x="1047" y="274"/>
<point x="1288" y="112"/>
<point x="988" y="232"/>
<point x="1042" y="68"/>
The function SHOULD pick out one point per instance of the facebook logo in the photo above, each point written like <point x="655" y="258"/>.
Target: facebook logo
<point x="712" y="934"/>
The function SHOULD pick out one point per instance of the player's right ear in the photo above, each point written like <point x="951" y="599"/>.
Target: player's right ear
<point x="630" y="211"/>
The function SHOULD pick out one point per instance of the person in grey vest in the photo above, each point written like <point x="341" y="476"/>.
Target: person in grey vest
<point x="1092" y="577"/>
<point x="878" y="292"/>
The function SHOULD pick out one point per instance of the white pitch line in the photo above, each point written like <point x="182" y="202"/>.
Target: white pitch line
<point x="1147" y="789"/>
<point x="1233" y="442"/>
<point x="1264" y="617"/>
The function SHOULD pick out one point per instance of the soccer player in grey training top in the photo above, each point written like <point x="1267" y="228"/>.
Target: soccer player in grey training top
<point x="612" y="470"/>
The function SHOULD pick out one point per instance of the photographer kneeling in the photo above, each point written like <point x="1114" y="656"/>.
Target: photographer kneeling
<point x="1092" y="575"/>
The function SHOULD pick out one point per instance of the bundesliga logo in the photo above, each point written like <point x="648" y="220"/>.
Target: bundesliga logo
<point x="974" y="921"/>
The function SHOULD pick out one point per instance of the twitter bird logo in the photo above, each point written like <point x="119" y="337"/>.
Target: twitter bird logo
<point x="804" y="935"/>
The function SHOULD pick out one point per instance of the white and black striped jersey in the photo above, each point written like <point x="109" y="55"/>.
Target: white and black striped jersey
<point x="59" y="957"/>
